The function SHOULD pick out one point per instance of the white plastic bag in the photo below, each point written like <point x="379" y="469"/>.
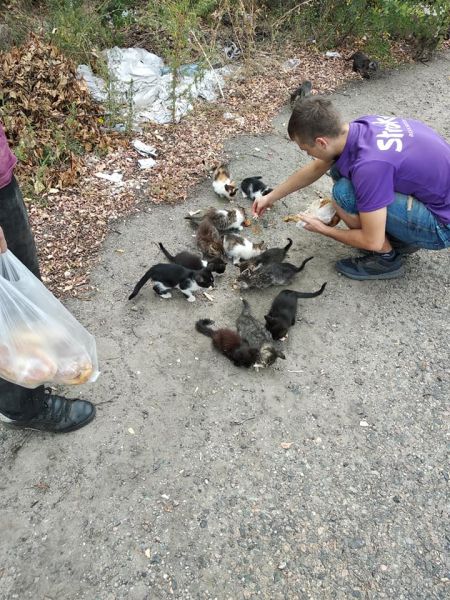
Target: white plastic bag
<point x="40" y="341"/>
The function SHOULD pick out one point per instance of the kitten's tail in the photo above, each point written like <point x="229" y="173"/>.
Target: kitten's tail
<point x="140" y="284"/>
<point x="288" y="245"/>
<point x="166" y="253"/>
<point x="300" y="268"/>
<point x="308" y="294"/>
<point x="246" y="309"/>
<point x="202" y="327"/>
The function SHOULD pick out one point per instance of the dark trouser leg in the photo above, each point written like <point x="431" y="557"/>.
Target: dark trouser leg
<point x="15" y="400"/>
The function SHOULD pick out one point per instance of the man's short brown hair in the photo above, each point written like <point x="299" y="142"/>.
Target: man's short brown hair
<point x="314" y="117"/>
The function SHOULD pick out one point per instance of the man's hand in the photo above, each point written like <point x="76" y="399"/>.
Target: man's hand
<point x="261" y="204"/>
<point x="314" y="224"/>
<point x="3" y="245"/>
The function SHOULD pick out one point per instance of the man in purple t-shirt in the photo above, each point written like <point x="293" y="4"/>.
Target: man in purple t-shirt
<point x="23" y="408"/>
<point x="392" y="185"/>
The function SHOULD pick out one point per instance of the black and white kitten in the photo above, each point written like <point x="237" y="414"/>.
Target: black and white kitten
<point x="194" y="262"/>
<point x="222" y="218"/>
<point x="229" y="343"/>
<point x="283" y="312"/>
<point x="240" y="248"/>
<point x="272" y="255"/>
<point x="257" y="336"/>
<point x="167" y="277"/>
<point x="363" y="65"/>
<point x="264" y="276"/>
<point x="254" y="187"/>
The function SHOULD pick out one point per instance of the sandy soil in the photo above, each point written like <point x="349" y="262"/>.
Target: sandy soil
<point x="181" y="489"/>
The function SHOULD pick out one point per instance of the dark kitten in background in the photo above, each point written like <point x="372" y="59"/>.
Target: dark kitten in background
<point x="303" y="91"/>
<point x="194" y="262"/>
<point x="264" y="276"/>
<point x="256" y="335"/>
<point x="363" y="65"/>
<point x="271" y="255"/>
<point x="283" y="312"/>
<point x="229" y="343"/>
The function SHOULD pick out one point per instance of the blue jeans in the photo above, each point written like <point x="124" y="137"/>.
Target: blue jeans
<point x="408" y="219"/>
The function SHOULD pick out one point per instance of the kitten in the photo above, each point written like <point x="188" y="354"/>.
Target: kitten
<point x="272" y="255"/>
<point x="283" y="312"/>
<point x="222" y="219"/>
<point x="229" y="343"/>
<point x="363" y="65"/>
<point x="238" y="247"/>
<point x="253" y="188"/>
<point x="264" y="276"/>
<point x="167" y="277"/>
<point x="257" y="336"/>
<point x="222" y="184"/>
<point x="209" y="240"/>
<point x="303" y="91"/>
<point x="194" y="262"/>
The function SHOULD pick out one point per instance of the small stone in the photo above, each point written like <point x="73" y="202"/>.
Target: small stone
<point x="356" y="543"/>
<point x="282" y="566"/>
<point x="364" y="424"/>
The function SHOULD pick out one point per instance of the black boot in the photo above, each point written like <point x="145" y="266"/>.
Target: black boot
<point x="48" y="412"/>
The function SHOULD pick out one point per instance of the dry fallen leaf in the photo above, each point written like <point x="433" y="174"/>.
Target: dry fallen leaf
<point x="286" y="445"/>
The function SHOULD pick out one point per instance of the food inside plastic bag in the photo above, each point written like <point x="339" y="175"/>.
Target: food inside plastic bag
<point x="321" y="208"/>
<point x="40" y="341"/>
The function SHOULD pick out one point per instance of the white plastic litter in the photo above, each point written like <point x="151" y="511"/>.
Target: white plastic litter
<point x="291" y="63"/>
<point x="140" y="77"/>
<point x="112" y="177"/>
<point x="332" y="54"/>
<point x="146" y="163"/>
<point x="144" y="149"/>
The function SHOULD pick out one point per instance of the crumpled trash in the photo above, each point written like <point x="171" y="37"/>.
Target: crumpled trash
<point x="142" y="78"/>
<point x="332" y="54"/>
<point x="146" y="163"/>
<point x="232" y="50"/>
<point x="291" y="63"/>
<point x="115" y="177"/>
<point x="144" y="149"/>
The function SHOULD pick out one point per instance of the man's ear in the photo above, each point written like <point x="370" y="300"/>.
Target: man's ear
<point x="322" y="142"/>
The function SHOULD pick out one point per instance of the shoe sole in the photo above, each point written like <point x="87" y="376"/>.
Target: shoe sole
<point x="361" y="277"/>
<point x="15" y="425"/>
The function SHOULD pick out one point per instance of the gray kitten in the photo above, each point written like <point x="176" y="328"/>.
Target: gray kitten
<point x="257" y="336"/>
<point x="264" y="276"/>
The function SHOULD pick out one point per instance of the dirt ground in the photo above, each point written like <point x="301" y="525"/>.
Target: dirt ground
<point x="181" y="487"/>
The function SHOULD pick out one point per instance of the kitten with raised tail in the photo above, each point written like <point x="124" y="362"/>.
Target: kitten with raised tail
<point x="239" y="248"/>
<point x="264" y="276"/>
<point x="272" y="255"/>
<point x="283" y="312"/>
<point x="209" y="240"/>
<point x="257" y="336"/>
<point x="254" y="187"/>
<point x="194" y="262"/>
<point x="229" y="343"/>
<point x="168" y="277"/>
<point x="222" y="219"/>
<point x="223" y="184"/>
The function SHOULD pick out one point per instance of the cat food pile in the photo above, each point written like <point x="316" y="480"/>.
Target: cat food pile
<point x="219" y="239"/>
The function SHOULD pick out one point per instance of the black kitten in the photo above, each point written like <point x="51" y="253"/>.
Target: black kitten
<point x="256" y="335"/>
<point x="229" y="343"/>
<point x="254" y="187"/>
<point x="194" y="262"/>
<point x="303" y="91"/>
<point x="363" y="65"/>
<point x="167" y="277"/>
<point x="272" y="255"/>
<point x="283" y="312"/>
<point x="264" y="276"/>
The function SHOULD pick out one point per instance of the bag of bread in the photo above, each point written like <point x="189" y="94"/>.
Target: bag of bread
<point x="40" y="340"/>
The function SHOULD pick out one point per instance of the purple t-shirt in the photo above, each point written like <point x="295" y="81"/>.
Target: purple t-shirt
<point x="384" y="155"/>
<point x="7" y="160"/>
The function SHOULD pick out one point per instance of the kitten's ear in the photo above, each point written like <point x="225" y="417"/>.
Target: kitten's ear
<point x="268" y="318"/>
<point x="281" y="355"/>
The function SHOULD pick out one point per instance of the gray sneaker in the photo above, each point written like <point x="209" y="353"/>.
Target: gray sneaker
<point x="372" y="266"/>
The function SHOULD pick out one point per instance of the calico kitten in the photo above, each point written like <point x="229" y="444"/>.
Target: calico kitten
<point x="238" y="247"/>
<point x="272" y="255"/>
<point x="194" y="262"/>
<point x="229" y="343"/>
<point x="283" y="312"/>
<point x="209" y="240"/>
<point x="303" y="91"/>
<point x="257" y="336"/>
<point x="264" y="276"/>
<point x="222" y="219"/>
<point x="254" y="187"/>
<point x="167" y="277"/>
<point x="222" y="183"/>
